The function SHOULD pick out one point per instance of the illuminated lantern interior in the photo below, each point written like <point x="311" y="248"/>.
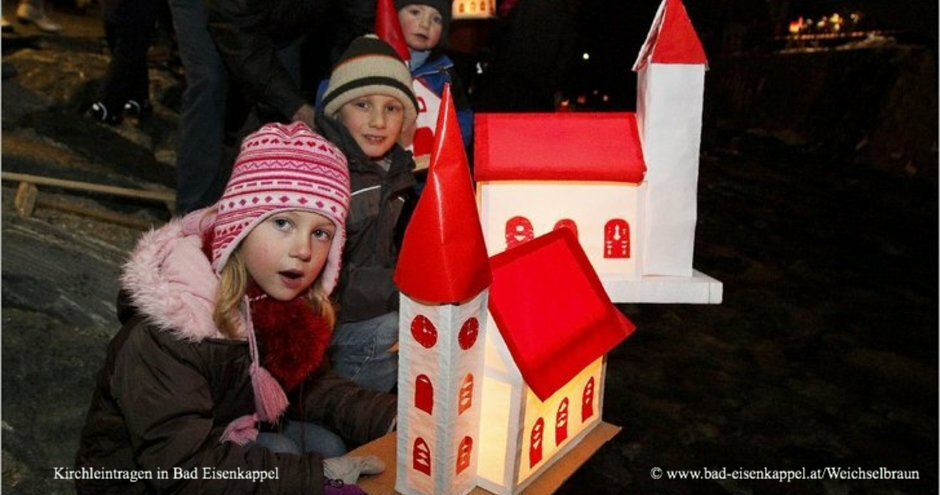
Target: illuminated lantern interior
<point x="473" y="9"/>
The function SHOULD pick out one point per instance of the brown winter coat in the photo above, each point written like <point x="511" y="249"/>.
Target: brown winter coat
<point x="171" y="384"/>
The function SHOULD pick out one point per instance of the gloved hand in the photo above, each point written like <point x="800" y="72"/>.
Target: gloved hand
<point x="348" y="468"/>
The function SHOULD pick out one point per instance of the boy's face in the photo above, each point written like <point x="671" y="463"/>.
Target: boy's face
<point x="286" y="252"/>
<point x="374" y="121"/>
<point x="422" y="26"/>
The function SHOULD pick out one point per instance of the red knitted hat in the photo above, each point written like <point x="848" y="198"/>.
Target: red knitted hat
<point x="283" y="167"/>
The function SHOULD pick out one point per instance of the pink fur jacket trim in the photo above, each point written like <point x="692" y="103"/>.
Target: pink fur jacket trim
<point x="171" y="281"/>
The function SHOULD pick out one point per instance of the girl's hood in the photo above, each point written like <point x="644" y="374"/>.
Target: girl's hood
<point x="170" y="280"/>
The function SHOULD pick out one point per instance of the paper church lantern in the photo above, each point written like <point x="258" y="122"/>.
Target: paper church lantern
<point x="551" y="326"/>
<point x="443" y="273"/>
<point x="625" y="183"/>
<point x="473" y="9"/>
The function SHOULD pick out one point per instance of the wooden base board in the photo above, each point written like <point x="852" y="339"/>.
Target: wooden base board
<point x="547" y="482"/>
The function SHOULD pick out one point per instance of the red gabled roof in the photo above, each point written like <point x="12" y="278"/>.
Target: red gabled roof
<point x="552" y="311"/>
<point x="558" y="146"/>
<point x="443" y="257"/>
<point x="672" y="38"/>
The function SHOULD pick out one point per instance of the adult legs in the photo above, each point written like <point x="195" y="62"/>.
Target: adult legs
<point x="200" y="177"/>
<point x="127" y="77"/>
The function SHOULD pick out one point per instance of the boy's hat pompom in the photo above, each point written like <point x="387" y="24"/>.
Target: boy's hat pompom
<point x="370" y="66"/>
<point x="442" y="6"/>
<point x="283" y="167"/>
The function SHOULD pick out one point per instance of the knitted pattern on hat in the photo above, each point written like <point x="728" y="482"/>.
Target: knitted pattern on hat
<point x="280" y="168"/>
<point x="370" y="66"/>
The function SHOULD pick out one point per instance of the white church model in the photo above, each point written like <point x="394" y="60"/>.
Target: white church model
<point x="625" y="183"/>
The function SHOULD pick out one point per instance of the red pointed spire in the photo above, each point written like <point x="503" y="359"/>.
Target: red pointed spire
<point x="388" y="28"/>
<point x="672" y="38"/>
<point x="443" y="258"/>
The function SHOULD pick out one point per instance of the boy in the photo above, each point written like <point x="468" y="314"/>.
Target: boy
<point x="368" y="101"/>
<point x="424" y="24"/>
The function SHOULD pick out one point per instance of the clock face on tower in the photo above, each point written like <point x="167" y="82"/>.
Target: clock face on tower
<point x="423" y="331"/>
<point x="468" y="333"/>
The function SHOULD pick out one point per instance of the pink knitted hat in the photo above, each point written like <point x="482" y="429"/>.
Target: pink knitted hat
<point x="283" y="167"/>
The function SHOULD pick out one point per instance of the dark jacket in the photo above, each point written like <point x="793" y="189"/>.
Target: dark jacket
<point x="380" y="206"/>
<point x="248" y="34"/>
<point x="171" y="383"/>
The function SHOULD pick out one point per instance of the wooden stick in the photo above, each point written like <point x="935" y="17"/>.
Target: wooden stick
<point x="167" y="197"/>
<point x="108" y="216"/>
<point x="25" y="200"/>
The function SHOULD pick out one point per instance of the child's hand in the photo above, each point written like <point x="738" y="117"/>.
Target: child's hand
<point x="348" y="468"/>
<point x="304" y="114"/>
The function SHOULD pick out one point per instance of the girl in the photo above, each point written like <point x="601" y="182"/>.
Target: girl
<point x="226" y="317"/>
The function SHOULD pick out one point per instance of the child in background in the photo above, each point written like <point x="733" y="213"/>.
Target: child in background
<point x="226" y="317"/>
<point x="366" y="104"/>
<point x="425" y="25"/>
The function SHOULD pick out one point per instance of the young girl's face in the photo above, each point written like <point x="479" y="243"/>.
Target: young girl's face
<point x="422" y="26"/>
<point x="285" y="253"/>
<point x="374" y="121"/>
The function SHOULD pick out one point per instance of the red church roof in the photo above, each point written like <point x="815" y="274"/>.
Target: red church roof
<point x="443" y="257"/>
<point x="558" y="146"/>
<point x="672" y="39"/>
<point x="552" y="311"/>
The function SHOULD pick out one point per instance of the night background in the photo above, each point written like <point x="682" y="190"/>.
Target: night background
<point x="817" y="209"/>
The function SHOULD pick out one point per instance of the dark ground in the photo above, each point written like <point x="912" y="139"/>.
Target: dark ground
<point x="823" y="353"/>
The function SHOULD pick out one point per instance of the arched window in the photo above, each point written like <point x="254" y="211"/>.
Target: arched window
<point x="465" y="396"/>
<point x="518" y="230"/>
<point x="424" y="394"/>
<point x="587" y="400"/>
<point x="463" y="454"/>
<point x="421" y="456"/>
<point x="617" y="239"/>
<point x="561" y="422"/>
<point x="535" y="442"/>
